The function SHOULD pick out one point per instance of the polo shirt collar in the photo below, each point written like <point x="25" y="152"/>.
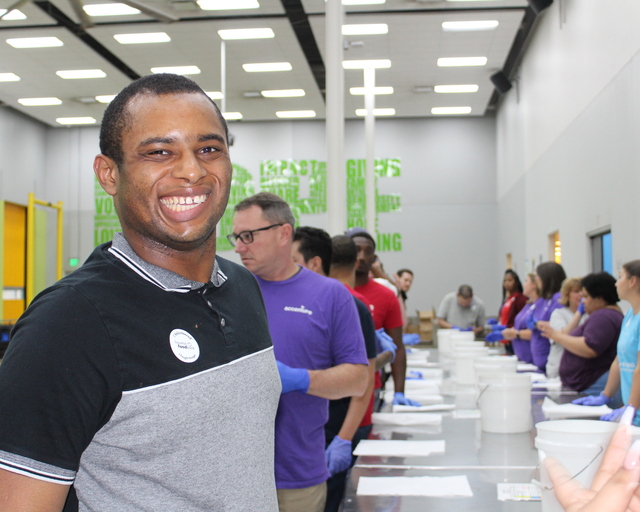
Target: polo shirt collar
<point x="161" y="277"/>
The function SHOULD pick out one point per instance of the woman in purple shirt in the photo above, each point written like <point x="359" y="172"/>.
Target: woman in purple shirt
<point x="549" y="277"/>
<point x="520" y="333"/>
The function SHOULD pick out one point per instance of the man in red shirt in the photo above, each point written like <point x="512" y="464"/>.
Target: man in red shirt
<point x="385" y="309"/>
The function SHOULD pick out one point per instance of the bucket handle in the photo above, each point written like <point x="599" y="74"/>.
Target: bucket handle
<point x="482" y="390"/>
<point x="550" y="488"/>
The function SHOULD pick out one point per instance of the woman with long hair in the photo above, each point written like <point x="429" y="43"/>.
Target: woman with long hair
<point x="513" y="300"/>
<point x="520" y="333"/>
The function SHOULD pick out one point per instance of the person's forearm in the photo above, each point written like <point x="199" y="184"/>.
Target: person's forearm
<point x="357" y="407"/>
<point x="443" y="324"/>
<point x="574" y="344"/>
<point x="524" y="334"/>
<point x="338" y="381"/>
<point x="613" y="380"/>
<point x="382" y="359"/>
<point x="399" y="366"/>
<point x="573" y="323"/>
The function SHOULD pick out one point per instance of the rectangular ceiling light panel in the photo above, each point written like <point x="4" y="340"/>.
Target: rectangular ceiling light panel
<point x="9" y="77"/>
<point x="365" y="29"/>
<point x="360" y="91"/>
<point x="455" y="88"/>
<point x="110" y="10"/>
<point x="13" y="15"/>
<point x="73" y="74"/>
<point x="75" y="120"/>
<point x="227" y="5"/>
<point x="283" y="93"/>
<point x="232" y="116"/>
<point x="466" y="26"/>
<point x="178" y="70"/>
<point x="461" y="61"/>
<point x="450" y="110"/>
<point x="38" y="102"/>
<point x="34" y="42"/>
<point x="267" y="66"/>
<point x="295" y="114"/>
<point x="246" y="33"/>
<point x="150" y="37"/>
<point x="377" y="112"/>
<point x="366" y="64"/>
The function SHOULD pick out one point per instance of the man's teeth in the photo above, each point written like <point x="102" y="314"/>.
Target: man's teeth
<point x="181" y="203"/>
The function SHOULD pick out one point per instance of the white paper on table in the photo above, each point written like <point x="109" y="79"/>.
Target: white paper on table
<point x="519" y="492"/>
<point x="396" y="448"/>
<point x="424" y="408"/>
<point x="416" y="384"/>
<point x="554" y="411"/>
<point x="546" y="383"/>
<point x="423" y="397"/>
<point x="414" y="486"/>
<point x="467" y="414"/>
<point x="527" y="367"/>
<point x="428" y="374"/>
<point x="406" y="418"/>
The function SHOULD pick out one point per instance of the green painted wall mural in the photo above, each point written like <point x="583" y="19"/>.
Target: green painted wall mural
<point x="302" y="183"/>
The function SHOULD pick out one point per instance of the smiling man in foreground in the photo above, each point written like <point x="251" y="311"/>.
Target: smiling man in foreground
<point x="122" y="380"/>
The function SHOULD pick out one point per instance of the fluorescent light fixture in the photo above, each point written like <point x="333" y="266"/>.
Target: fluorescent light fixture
<point x="38" y="102"/>
<point x="461" y="61"/>
<point x="227" y="5"/>
<point x="75" y="120"/>
<point x="150" y="37"/>
<point x="362" y="2"/>
<point x="362" y="64"/>
<point x="9" y="77"/>
<point x="464" y="26"/>
<point x="214" y="95"/>
<point x="283" y="93"/>
<point x="295" y="114"/>
<point x="377" y="112"/>
<point x="232" y="116"/>
<point x="109" y="10"/>
<point x="105" y="98"/>
<point x="360" y="91"/>
<point x="450" y="110"/>
<point x="456" y="88"/>
<point x="177" y="70"/>
<point x="267" y="66"/>
<point x="35" y="42"/>
<point x="365" y="29"/>
<point x="246" y="33"/>
<point x="15" y="14"/>
<point x="72" y="74"/>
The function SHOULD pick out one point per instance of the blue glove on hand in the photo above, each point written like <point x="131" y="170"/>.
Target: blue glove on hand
<point x="386" y="343"/>
<point x="414" y="375"/>
<point x="400" y="399"/>
<point x="492" y="321"/>
<point x="498" y="327"/>
<point x="467" y="329"/>
<point x="494" y="336"/>
<point x="411" y="339"/>
<point x="338" y="455"/>
<point x="581" y="307"/>
<point x="614" y="415"/>
<point x="293" y="379"/>
<point x="593" y="400"/>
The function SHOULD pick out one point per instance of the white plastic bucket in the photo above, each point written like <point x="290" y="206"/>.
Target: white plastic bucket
<point x="505" y="402"/>
<point x="495" y="364"/>
<point x="463" y="345"/>
<point x="457" y="335"/>
<point x="579" y="445"/>
<point x="443" y="336"/>
<point x="464" y="363"/>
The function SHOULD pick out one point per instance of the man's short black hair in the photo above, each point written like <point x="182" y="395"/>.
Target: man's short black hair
<point x="344" y="252"/>
<point x="314" y="242"/>
<point x="601" y="285"/>
<point x="117" y="118"/>
<point x="354" y="232"/>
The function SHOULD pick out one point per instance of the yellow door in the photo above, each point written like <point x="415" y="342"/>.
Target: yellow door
<point x="15" y="240"/>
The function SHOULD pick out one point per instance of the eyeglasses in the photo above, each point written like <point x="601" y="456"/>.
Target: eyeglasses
<point x="247" y="236"/>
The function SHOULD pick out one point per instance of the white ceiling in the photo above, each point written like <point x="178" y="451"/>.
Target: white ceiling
<point x="413" y="44"/>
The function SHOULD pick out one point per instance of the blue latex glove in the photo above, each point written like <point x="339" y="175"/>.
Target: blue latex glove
<point x="493" y="336"/>
<point x="293" y="379"/>
<point x="593" y="400"/>
<point x="467" y="329"/>
<point x="581" y="307"/>
<point x="531" y="323"/>
<point x="338" y="455"/>
<point x="492" y="321"/>
<point x="414" y="375"/>
<point x="411" y="339"/>
<point x="400" y="399"/>
<point x="386" y="343"/>
<point x="498" y="327"/>
<point x="614" y="415"/>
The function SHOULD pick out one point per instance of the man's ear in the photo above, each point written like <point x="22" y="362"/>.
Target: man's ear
<point x="286" y="233"/>
<point x="107" y="173"/>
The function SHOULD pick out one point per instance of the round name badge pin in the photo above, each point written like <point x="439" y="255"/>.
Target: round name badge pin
<point x="184" y="346"/>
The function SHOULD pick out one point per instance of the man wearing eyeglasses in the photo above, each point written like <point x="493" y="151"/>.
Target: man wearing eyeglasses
<point x="317" y="341"/>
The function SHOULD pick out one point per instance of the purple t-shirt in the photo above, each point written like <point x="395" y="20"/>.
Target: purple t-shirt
<point x="540" y="345"/>
<point x="314" y="324"/>
<point x="601" y="331"/>
<point x="522" y="348"/>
